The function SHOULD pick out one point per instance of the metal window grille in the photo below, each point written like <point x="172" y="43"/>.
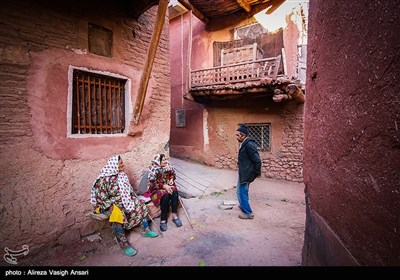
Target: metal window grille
<point x="260" y="132"/>
<point x="98" y="105"/>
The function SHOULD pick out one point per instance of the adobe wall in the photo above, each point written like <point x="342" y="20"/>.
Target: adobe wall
<point x="284" y="161"/>
<point x="352" y="135"/>
<point x="47" y="176"/>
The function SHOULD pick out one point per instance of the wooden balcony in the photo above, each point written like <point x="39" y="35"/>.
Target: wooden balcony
<point x="235" y="73"/>
<point x="243" y="72"/>
<point x="251" y="78"/>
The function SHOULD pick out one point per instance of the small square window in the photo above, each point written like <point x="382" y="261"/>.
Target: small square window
<point x="100" y="40"/>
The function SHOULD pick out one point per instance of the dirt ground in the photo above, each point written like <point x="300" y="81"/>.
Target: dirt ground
<point x="219" y="238"/>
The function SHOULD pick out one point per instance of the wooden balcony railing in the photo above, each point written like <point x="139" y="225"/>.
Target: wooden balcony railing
<point x="236" y="73"/>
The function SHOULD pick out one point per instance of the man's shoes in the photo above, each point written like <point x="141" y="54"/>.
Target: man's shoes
<point x="177" y="222"/>
<point x="130" y="251"/>
<point x="150" y="234"/>
<point x="246" y="216"/>
<point x="163" y="226"/>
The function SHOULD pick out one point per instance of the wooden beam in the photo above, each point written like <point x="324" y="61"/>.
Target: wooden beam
<point x="292" y="92"/>
<point x="151" y="53"/>
<point x="196" y="12"/>
<point x="296" y="93"/>
<point x="274" y="4"/>
<point x="244" y="4"/>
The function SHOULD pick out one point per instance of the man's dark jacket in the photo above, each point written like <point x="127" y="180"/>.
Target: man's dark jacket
<point x="249" y="161"/>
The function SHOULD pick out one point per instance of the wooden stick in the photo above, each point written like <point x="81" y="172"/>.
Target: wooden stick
<point x="184" y="209"/>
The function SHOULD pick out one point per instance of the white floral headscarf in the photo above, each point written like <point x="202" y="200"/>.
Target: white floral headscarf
<point x="155" y="167"/>
<point x="111" y="169"/>
<point x="156" y="160"/>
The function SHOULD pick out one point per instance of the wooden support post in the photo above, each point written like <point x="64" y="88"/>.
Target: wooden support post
<point x="151" y="53"/>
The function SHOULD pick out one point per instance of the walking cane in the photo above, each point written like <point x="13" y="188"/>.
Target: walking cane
<point x="184" y="210"/>
<point x="151" y="219"/>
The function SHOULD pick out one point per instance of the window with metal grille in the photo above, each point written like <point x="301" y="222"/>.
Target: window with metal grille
<point x="260" y="132"/>
<point x="98" y="104"/>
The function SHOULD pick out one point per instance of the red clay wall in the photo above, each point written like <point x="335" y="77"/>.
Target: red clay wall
<point x="188" y="140"/>
<point x="352" y="134"/>
<point x="47" y="176"/>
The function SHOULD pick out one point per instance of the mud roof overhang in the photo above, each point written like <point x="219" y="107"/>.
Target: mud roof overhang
<point x="220" y="13"/>
<point x="208" y="10"/>
<point x="263" y="87"/>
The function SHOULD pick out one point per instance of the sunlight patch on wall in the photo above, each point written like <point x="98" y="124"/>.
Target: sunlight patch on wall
<point x="277" y="19"/>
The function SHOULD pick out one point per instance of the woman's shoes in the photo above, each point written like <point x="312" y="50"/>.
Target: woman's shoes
<point x="177" y="222"/>
<point x="163" y="226"/>
<point x="150" y="234"/>
<point x="130" y="251"/>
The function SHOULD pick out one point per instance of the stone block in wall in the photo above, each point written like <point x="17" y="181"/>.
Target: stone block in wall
<point x="69" y="236"/>
<point x="89" y="229"/>
<point x="70" y="221"/>
<point x="269" y="174"/>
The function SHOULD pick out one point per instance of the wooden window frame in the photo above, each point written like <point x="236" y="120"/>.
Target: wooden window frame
<point x="107" y="96"/>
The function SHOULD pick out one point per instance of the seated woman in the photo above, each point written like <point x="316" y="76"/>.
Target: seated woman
<point x="162" y="189"/>
<point x="113" y="195"/>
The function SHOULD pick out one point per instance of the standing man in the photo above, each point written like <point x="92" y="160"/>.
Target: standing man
<point x="249" y="163"/>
